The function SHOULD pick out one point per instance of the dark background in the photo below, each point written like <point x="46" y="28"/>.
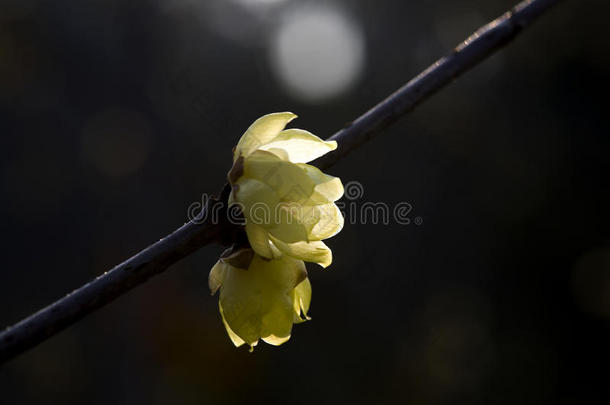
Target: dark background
<point x="116" y="115"/>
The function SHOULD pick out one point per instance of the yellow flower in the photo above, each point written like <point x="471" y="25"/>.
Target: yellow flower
<point x="260" y="298"/>
<point x="288" y="205"/>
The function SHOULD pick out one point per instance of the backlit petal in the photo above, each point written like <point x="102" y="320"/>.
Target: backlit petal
<point x="326" y="188"/>
<point x="289" y="181"/>
<point x="237" y="341"/>
<point x="258" y="201"/>
<point x="261" y="132"/>
<point x="261" y="207"/>
<point x="257" y="303"/>
<point x="216" y="276"/>
<point x="259" y="240"/>
<point x="315" y="252"/>
<point x="287" y="227"/>
<point x="301" y="298"/>
<point x="299" y="145"/>
<point x="328" y="222"/>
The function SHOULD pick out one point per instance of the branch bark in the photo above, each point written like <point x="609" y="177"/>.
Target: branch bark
<point x="195" y="234"/>
<point x="473" y="50"/>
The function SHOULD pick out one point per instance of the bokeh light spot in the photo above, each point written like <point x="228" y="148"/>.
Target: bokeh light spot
<point x="317" y="53"/>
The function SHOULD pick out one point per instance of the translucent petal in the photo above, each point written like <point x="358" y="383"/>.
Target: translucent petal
<point x="286" y="273"/>
<point x="303" y="292"/>
<point x="259" y="240"/>
<point x="277" y="323"/>
<point x="327" y="188"/>
<point x="301" y="183"/>
<point x="287" y="227"/>
<point x="314" y="252"/>
<point x="258" y="201"/>
<point x="289" y="181"/>
<point x="261" y="132"/>
<point x="261" y="207"/>
<point x="216" y="276"/>
<point x="237" y="341"/>
<point x="276" y="340"/>
<point x="301" y="298"/>
<point x="281" y="153"/>
<point x="257" y="302"/>
<point x="320" y="221"/>
<point x="276" y="252"/>
<point x="329" y="222"/>
<point x="299" y="145"/>
<point x="241" y="300"/>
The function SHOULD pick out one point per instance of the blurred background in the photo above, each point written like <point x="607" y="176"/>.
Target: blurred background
<point x="115" y="116"/>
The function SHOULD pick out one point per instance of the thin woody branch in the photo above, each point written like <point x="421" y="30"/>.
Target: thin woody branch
<point x="473" y="50"/>
<point x="195" y="234"/>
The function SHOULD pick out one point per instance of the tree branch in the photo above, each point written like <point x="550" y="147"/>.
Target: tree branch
<point x="193" y="235"/>
<point x="476" y="48"/>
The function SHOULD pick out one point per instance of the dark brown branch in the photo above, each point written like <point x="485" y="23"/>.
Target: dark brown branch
<point x="112" y="284"/>
<point x="195" y="234"/>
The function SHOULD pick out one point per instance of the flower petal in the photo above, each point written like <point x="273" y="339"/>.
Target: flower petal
<point x="299" y="145"/>
<point x="321" y="221"/>
<point x="276" y="340"/>
<point x="241" y="300"/>
<point x="289" y="181"/>
<point x="217" y="276"/>
<point x="329" y="222"/>
<point x="327" y="188"/>
<point x="286" y="273"/>
<point x="261" y="207"/>
<point x="287" y="227"/>
<point x="237" y="341"/>
<point x="301" y="183"/>
<point x="261" y="132"/>
<point x="315" y="252"/>
<point x="259" y="241"/>
<point x="277" y="323"/>
<point x="257" y="303"/>
<point x="258" y="201"/>
<point x="301" y="298"/>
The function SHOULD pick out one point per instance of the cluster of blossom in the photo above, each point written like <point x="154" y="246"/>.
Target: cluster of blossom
<point x="263" y="285"/>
